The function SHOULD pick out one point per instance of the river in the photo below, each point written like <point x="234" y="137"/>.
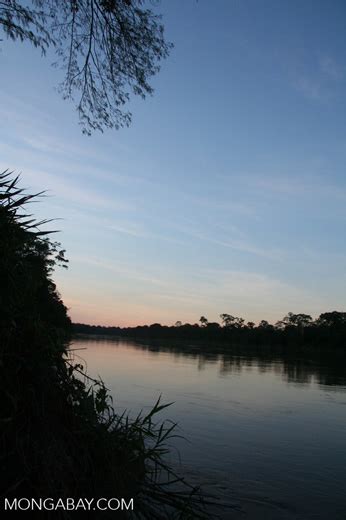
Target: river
<point x="264" y="434"/>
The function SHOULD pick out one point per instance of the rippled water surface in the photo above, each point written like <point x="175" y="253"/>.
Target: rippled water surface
<point x="265" y="434"/>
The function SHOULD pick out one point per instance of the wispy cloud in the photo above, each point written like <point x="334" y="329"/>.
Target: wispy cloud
<point x="119" y="269"/>
<point x="230" y="206"/>
<point x="243" y="245"/>
<point x="257" y="293"/>
<point x="65" y="188"/>
<point x="310" y="87"/>
<point x="331" y="68"/>
<point x="134" y="230"/>
<point x="43" y="144"/>
<point x="318" y="77"/>
<point x="251" y="295"/>
<point x="301" y="185"/>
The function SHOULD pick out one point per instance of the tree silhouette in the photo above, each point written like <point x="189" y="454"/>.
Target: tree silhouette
<point x="333" y="318"/>
<point x="293" y="331"/>
<point x="203" y="321"/>
<point x="107" y="49"/>
<point x="227" y="320"/>
<point x="231" y="321"/>
<point x="297" y="320"/>
<point x="264" y="324"/>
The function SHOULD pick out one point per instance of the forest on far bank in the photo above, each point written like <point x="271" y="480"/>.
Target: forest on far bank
<point x="329" y="329"/>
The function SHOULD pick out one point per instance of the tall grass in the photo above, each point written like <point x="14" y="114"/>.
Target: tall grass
<point x="159" y="492"/>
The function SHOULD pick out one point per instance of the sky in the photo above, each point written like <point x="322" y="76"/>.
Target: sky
<point x="227" y="194"/>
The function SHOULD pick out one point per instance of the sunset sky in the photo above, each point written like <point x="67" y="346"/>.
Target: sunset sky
<point x="228" y="191"/>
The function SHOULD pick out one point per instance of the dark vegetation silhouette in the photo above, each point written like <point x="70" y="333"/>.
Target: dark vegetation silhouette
<point x="60" y="436"/>
<point x="293" y="331"/>
<point x="106" y="49"/>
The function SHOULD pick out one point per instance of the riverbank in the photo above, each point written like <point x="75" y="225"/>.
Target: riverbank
<point x="324" y="333"/>
<point x="60" y="436"/>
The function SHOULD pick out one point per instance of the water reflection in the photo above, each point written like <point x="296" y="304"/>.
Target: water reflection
<point x="323" y="368"/>
<point x="266" y="429"/>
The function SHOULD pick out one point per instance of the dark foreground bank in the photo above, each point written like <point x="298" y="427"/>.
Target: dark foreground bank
<point x="60" y="436"/>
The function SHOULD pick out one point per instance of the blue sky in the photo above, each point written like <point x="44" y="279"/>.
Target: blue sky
<point x="228" y="191"/>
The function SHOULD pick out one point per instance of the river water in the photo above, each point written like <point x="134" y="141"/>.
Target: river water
<point x="264" y="434"/>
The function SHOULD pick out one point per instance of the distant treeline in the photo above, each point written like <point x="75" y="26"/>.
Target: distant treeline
<point x="328" y="329"/>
